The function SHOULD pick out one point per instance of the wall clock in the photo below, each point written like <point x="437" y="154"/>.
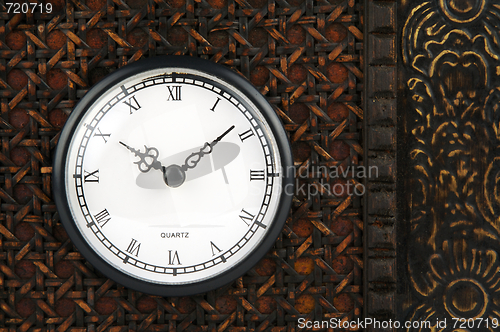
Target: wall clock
<point x="170" y="176"/>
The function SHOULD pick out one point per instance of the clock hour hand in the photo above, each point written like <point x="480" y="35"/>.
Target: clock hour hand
<point x="149" y="158"/>
<point x="175" y="175"/>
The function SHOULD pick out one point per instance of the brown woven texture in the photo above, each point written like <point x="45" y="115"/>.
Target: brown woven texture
<point x="305" y="56"/>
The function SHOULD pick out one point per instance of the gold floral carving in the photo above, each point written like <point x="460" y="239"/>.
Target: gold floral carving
<point x="451" y="53"/>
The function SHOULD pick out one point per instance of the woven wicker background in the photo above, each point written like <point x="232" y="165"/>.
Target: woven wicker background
<point x="305" y="56"/>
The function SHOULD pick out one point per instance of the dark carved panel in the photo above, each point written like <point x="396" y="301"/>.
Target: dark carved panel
<point x="449" y="237"/>
<point x="380" y="152"/>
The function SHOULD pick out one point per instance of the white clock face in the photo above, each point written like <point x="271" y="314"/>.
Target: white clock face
<point x="173" y="178"/>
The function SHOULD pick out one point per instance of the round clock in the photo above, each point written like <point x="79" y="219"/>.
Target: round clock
<point x="170" y="176"/>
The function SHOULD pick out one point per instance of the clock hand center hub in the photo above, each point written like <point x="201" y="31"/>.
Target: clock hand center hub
<point x="173" y="176"/>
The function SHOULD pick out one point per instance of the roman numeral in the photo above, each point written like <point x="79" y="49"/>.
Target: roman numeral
<point x="102" y="135"/>
<point x="102" y="218"/>
<point x="257" y="175"/>
<point x="172" y="257"/>
<point x="133" y="247"/>
<point x="133" y="104"/>
<point x="213" y="246"/>
<point x="91" y="177"/>
<point x="246" y="216"/>
<point x="215" y="105"/>
<point x="246" y="134"/>
<point x="174" y="92"/>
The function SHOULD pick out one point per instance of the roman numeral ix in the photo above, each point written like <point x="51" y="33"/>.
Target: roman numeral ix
<point x="91" y="177"/>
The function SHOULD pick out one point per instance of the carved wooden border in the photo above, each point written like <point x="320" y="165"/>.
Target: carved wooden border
<point x="449" y="107"/>
<point x="380" y="151"/>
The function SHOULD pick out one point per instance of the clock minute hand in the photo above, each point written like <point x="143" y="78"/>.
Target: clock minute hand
<point x="215" y="141"/>
<point x="175" y="175"/>
<point x="149" y="158"/>
<point x="194" y="158"/>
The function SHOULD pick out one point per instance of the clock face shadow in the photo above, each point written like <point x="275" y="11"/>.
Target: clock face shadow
<point x="212" y="189"/>
<point x="223" y="154"/>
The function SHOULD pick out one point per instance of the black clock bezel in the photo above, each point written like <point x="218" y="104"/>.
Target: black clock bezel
<point x="233" y="80"/>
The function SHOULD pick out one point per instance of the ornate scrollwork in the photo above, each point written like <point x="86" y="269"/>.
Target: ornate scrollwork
<point x="463" y="283"/>
<point x="451" y="50"/>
